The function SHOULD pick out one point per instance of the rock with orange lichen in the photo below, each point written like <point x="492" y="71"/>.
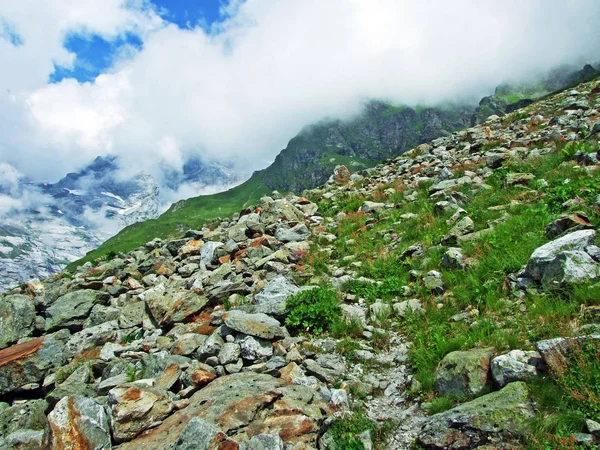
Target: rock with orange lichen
<point x="136" y="407"/>
<point x="29" y="361"/>
<point x="168" y="307"/>
<point x="244" y="405"/>
<point x="79" y="423"/>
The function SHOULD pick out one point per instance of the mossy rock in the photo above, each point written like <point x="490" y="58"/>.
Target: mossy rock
<point x="492" y="418"/>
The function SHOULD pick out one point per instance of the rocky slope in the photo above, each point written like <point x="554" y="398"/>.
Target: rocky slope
<point x="510" y="97"/>
<point x="381" y="131"/>
<point x="443" y="299"/>
<point x="80" y="211"/>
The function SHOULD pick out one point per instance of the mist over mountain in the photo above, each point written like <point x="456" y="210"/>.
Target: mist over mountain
<point x="44" y="226"/>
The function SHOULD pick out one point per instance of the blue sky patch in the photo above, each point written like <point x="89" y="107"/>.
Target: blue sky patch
<point x="95" y="55"/>
<point x="189" y="13"/>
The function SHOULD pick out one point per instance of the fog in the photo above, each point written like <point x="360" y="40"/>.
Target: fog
<point x="241" y="89"/>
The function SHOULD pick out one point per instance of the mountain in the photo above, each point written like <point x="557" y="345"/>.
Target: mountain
<point x="381" y="131"/>
<point x="76" y="214"/>
<point x="445" y="298"/>
<point x="509" y="97"/>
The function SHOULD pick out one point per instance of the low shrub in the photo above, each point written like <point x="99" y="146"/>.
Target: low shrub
<point x="314" y="310"/>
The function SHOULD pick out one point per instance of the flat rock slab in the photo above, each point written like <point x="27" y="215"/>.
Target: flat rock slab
<point x="259" y="325"/>
<point x="244" y="405"/>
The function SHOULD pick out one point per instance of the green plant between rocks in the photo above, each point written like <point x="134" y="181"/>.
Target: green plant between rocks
<point x="315" y="310"/>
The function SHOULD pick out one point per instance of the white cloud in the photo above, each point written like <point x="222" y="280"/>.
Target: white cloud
<point x="241" y="91"/>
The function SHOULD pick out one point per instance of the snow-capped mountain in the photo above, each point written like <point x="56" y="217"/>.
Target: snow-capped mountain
<point x="44" y="226"/>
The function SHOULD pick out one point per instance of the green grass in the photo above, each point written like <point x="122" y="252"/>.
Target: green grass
<point x="346" y="430"/>
<point x="483" y="288"/>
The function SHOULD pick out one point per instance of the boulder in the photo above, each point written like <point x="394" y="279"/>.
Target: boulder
<point x="259" y="325"/>
<point x="463" y="227"/>
<point x="516" y="365"/>
<point x="92" y="337"/>
<point x="71" y="309"/>
<point x="79" y="423"/>
<point x="255" y="349"/>
<point x="28" y="416"/>
<point x="558" y="351"/>
<point x="521" y="179"/>
<point x="135" y="408"/>
<point x="297" y="233"/>
<point x="464" y="373"/>
<point x="570" y="267"/>
<point x="544" y="256"/>
<point x="433" y="282"/>
<point x="200" y="434"/>
<point x="272" y="299"/>
<point x="566" y="222"/>
<point x="208" y="252"/>
<point x="188" y="343"/>
<point x="495" y="418"/>
<point x="453" y="259"/>
<point x="29" y="361"/>
<point x="17" y="315"/>
<point x="369" y="207"/>
<point x="244" y="405"/>
<point x="25" y="440"/>
<point x="168" y="307"/>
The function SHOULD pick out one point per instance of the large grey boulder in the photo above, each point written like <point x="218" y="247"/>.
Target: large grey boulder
<point x="464" y="373"/>
<point x="25" y="440"/>
<point x="542" y="261"/>
<point x="208" y="252"/>
<point x="297" y="233"/>
<point x="92" y="337"/>
<point x="17" y="315"/>
<point x="494" y="418"/>
<point x="202" y="435"/>
<point x="272" y="299"/>
<point x="77" y="421"/>
<point x="255" y="349"/>
<point x="168" y="307"/>
<point x="570" y="267"/>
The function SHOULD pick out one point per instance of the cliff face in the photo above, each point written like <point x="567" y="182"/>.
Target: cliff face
<point x="433" y="300"/>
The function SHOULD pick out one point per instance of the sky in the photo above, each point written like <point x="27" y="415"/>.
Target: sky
<point x="155" y="81"/>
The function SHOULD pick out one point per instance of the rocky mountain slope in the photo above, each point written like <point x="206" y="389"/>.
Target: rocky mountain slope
<point x="511" y="96"/>
<point x="447" y="298"/>
<point x="80" y="211"/>
<point x="381" y="131"/>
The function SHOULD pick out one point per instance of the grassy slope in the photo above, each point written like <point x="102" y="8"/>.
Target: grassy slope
<point x="181" y="216"/>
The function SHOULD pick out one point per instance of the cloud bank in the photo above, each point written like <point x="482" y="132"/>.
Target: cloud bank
<point x="241" y="89"/>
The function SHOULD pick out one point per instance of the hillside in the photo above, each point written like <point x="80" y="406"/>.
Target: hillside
<point x="380" y="132"/>
<point x="446" y="298"/>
